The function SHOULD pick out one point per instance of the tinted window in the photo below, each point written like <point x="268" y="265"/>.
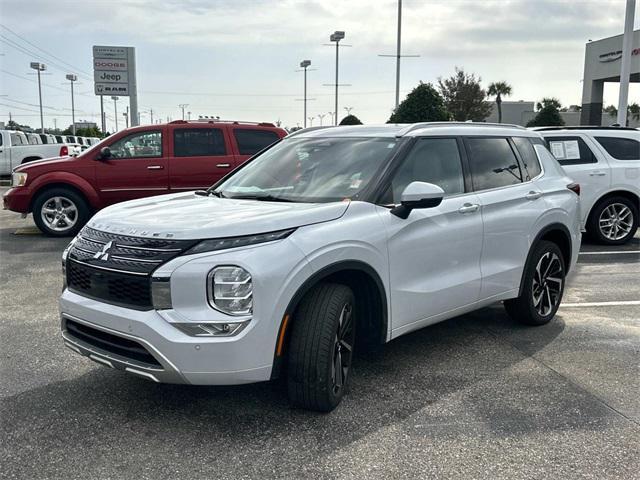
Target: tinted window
<point x="432" y="160"/>
<point x="16" y="139"/>
<point x="252" y="141"/>
<point x="493" y="163"/>
<point x="620" y="148"/>
<point x="137" y="145"/>
<point x="198" y="142"/>
<point x="529" y="157"/>
<point x="570" y="150"/>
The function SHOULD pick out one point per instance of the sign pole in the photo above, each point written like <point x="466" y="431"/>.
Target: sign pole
<point x="133" y="87"/>
<point x="625" y="68"/>
<point x="102" y="114"/>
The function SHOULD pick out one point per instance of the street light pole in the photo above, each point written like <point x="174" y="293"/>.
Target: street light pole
<point x="115" y="110"/>
<point x="39" y="67"/>
<point x="336" y="37"/>
<point x="182" y="106"/>
<point x="321" y="117"/>
<point x="305" y="64"/>
<point x="72" y="78"/>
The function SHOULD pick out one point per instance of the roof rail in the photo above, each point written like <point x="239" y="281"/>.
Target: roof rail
<point x="309" y="129"/>
<point x="582" y="127"/>
<point x="417" y="126"/>
<point x="216" y="120"/>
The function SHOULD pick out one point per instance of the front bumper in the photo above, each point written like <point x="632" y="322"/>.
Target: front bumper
<point x="17" y="199"/>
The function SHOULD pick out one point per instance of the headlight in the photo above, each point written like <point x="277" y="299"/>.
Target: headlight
<point x="18" y="179"/>
<point x="233" y="242"/>
<point x="161" y="293"/>
<point x="230" y="290"/>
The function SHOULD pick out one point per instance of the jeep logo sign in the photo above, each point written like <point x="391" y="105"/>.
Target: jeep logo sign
<point x="111" y="77"/>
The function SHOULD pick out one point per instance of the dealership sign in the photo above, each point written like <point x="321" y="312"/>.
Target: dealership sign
<point x="616" y="55"/>
<point x="114" y="70"/>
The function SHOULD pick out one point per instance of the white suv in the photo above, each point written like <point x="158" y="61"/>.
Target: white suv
<point x="605" y="161"/>
<point x="331" y="240"/>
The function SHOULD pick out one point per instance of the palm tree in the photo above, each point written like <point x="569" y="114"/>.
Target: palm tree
<point x="634" y="111"/>
<point x="498" y="89"/>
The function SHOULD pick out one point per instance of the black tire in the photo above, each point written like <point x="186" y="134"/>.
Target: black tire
<point x="526" y="308"/>
<point x="604" y="237"/>
<point x="312" y="351"/>
<point x="71" y="202"/>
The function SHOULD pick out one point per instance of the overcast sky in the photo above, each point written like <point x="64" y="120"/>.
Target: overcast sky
<point x="238" y="58"/>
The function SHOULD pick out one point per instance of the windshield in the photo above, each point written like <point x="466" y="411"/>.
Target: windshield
<point x="311" y="170"/>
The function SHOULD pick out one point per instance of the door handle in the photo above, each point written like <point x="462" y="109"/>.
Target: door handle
<point x="223" y="165"/>
<point x="155" y="167"/>
<point x="533" y="195"/>
<point x="468" y="208"/>
<point x="597" y="174"/>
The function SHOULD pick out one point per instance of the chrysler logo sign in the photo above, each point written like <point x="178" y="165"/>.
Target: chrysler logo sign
<point x="104" y="253"/>
<point x="613" y="56"/>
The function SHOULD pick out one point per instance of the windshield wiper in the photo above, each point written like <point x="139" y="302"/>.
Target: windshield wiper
<point x="264" y="198"/>
<point x="206" y="193"/>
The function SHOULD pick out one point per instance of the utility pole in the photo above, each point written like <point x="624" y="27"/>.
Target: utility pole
<point x="39" y="67"/>
<point x="72" y="78"/>
<point x="625" y="68"/>
<point x="398" y="54"/>
<point x="182" y="106"/>
<point x="55" y="123"/>
<point x="151" y="114"/>
<point x="115" y="110"/>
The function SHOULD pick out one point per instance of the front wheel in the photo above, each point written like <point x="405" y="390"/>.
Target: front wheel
<point x="60" y="212"/>
<point x="614" y="221"/>
<point x="542" y="288"/>
<point x="321" y="347"/>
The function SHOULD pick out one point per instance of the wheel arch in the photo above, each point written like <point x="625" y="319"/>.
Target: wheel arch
<point x="78" y="185"/>
<point x="613" y="193"/>
<point x="371" y="298"/>
<point x="558" y="234"/>
<point x="30" y="159"/>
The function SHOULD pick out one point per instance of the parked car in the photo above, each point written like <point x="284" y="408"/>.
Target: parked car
<point x="332" y="239"/>
<point x="93" y="140"/>
<point x="47" y="138"/>
<point x="134" y="163"/>
<point x="606" y="163"/>
<point x="15" y="150"/>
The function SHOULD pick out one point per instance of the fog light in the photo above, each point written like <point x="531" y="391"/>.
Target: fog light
<point x="211" y="329"/>
<point x="161" y="293"/>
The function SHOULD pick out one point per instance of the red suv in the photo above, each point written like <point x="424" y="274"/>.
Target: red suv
<point x="137" y="162"/>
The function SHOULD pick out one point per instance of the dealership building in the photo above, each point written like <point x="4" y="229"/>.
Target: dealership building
<point x="602" y="62"/>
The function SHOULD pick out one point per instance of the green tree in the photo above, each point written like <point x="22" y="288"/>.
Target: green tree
<point x="464" y="97"/>
<point x="423" y="104"/>
<point x="548" y="114"/>
<point x="85" y="132"/>
<point x="634" y="111"/>
<point x="350" y="120"/>
<point x="498" y="90"/>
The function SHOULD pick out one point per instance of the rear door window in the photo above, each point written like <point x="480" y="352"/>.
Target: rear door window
<point x="570" y="150"/>
<point x="252" y="141"/>
<point x="493" y="163"/>
<point x="198" y="142"/>
<point x="529" y="157"/>
<point x="620" y="148"/>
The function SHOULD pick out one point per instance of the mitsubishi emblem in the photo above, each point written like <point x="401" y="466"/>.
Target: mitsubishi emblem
<point x="104" y="253"/>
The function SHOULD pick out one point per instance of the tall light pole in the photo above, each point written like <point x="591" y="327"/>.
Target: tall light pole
<point x="115" y="110"/>
<point x="304" y="65"/>
<point x="331" y="114"/>
<point x="311" y="121"/>
<point x="39" y="67"/>
<point x="72" y="78"/>
<point x="126" y="117"/>
<point x="321" y="116"/>
<point x="188" y="115"/>
<point x="398" y="54"/>
<point x="182" y="106"/>
<point x="348" y="110"/>
<point x="336" y="37"/>
<point x="625" y="68"/>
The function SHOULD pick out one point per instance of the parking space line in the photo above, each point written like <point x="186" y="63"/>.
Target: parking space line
<point x="601" y="304"/>
<point x="609" y="253"/>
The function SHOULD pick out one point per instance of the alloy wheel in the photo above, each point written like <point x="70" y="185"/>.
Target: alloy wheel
<point x="343" y="348"/>
<point x="616" y="221"/>
<point x="59" y="214"/>
<point x="548" y="279"/>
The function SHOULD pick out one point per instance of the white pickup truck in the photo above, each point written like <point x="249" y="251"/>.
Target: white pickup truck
<point x="16" y="150"/>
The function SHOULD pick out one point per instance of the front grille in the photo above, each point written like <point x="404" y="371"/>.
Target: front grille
<point x="117" y="268"/>
<point x="108" y="342"/>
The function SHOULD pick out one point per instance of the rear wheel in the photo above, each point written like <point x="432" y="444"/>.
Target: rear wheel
<point x="614" y="221"/>
<point x="60" y="212"/>
<point x="542" y="288"/>
<point x="321" y="348"/>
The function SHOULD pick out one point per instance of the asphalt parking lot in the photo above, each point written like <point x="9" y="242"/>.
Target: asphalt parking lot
<point x="474" y="397"/>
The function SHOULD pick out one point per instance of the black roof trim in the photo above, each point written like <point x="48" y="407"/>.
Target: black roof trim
<point x="585" y="127"/>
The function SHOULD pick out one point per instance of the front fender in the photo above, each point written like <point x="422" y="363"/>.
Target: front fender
<point x="66" y="179"/>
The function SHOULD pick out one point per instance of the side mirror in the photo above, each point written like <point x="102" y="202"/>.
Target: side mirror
<point x="105" y="153"/>
<point x="418" y="195"/>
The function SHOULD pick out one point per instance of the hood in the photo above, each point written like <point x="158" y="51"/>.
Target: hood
<point x="45" y="162"/>
<point x="190" y="216"/>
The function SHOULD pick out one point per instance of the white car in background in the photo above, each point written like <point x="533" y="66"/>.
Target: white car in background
<point x="605" y="161"/>
<point x="15" y="149"/>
